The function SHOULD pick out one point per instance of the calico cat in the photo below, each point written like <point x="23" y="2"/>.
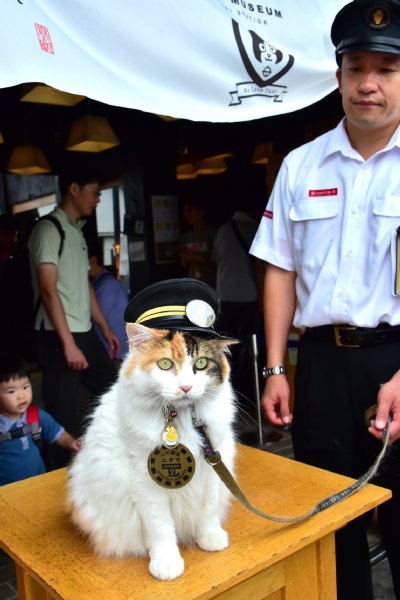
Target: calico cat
<point x="112" y="497"/>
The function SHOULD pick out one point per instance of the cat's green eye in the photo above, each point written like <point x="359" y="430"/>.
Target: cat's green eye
<point x="201" y="363"/>
<point x="165" y="364"/>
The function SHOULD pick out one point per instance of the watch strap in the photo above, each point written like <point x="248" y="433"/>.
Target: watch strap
<point x="279" y="370"/>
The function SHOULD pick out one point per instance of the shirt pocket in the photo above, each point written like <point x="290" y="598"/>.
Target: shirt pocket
<point x="315" y="227"/>
<point x="385" y="221"/>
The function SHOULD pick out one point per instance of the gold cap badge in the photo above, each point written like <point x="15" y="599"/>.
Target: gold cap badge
<point x="378" y="17"/>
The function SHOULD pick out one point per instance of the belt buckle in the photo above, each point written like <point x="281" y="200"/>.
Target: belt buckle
<point x="338" y="340"/>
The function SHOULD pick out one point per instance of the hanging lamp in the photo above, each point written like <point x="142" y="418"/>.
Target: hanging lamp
<point x="28" y="160"/>
<point x="262" y="153"/>
<point x="186" y="171"/>
<point x="211" y="166"/>
<point x="45" y="94"/>
<point x="91" y="134"/>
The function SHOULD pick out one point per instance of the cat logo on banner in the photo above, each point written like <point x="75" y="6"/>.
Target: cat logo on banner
<point x="264" y="63"/>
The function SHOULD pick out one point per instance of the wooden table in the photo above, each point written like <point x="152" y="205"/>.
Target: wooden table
<point x="265" y="560"/>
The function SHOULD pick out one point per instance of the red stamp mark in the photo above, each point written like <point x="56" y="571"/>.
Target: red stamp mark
<point x="44" y="38"/>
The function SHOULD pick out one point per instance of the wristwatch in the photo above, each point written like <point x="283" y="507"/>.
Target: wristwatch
<point x="267" y="372"/>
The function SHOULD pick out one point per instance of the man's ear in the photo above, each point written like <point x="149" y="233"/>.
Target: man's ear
<point x="339" y="79"/>
<point x="74" y="189"/>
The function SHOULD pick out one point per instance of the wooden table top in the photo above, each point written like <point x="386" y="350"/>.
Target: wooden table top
<point x="35" y="530"/>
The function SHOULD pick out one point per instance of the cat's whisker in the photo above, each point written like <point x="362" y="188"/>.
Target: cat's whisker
<point x="244" y="399"/>
<point x="245" y="416"/>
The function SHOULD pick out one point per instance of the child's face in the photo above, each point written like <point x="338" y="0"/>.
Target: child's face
<point x="15" y="397"/>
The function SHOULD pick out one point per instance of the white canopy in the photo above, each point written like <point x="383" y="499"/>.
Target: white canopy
<point x="204" y="60"/>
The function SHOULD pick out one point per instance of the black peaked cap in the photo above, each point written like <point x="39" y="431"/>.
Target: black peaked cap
<point x="169" y="304"/>
<point x="365" y="25"/>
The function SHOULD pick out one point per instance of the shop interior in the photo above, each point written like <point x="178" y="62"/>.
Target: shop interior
<point x="143" y="157"/>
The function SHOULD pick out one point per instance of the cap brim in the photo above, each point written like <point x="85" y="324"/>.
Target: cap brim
<point x="369" y="45"/>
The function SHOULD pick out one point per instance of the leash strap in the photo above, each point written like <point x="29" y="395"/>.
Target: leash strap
<point x="213" y="458"/>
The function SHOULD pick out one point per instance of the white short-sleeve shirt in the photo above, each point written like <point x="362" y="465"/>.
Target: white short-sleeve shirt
<point x="332" y="218"/>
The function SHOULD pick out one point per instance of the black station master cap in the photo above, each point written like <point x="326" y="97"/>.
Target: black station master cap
<point x="365" y="25"/>
<point x="181" y="304"/>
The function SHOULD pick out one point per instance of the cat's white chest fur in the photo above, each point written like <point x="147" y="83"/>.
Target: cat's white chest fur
<point x="112" y="497"/>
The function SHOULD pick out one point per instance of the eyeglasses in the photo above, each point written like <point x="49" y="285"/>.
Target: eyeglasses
<point x="96" y="193"/>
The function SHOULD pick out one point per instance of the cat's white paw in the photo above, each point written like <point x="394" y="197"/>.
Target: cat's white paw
<point x="167" y="567"/>
<point x="213" y="541"/>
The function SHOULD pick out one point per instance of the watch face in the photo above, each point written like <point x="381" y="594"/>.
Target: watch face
<point x="276" y="370"/>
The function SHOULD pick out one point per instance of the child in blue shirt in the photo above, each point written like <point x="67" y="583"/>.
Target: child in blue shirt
<point x="20" y="457"/>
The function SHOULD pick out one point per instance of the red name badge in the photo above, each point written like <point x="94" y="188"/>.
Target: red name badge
<point x="325" y="192"/>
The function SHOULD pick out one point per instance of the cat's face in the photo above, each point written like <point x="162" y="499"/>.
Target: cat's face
<point x="180" y="368"/>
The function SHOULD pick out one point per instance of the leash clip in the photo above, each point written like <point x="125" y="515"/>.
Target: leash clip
<point x="213" y="458"/>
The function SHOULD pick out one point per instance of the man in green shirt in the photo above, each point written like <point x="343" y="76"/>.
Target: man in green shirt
<point x="68" y="350"/>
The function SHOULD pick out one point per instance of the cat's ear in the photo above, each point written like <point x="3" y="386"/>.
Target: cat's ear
<point x="138" y="334"/>
<point x="224" y="343"/>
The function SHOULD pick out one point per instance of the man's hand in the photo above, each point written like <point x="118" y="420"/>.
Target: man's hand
<point x="74" y="357"/>
<point x="112" y="341"/>
<point x="275" y="400"/>
<point x="388" y="403"/>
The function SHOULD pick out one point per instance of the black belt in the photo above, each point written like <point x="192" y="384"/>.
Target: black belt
<point x="347" y="336"/>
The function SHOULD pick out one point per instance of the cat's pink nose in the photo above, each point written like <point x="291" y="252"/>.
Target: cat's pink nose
<point x="185" y="388"/>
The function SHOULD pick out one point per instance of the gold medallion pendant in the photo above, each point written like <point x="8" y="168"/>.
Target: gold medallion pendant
<point x="171" y="467"/>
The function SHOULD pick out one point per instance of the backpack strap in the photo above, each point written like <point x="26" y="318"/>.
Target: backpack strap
<point x="59" y="228"/>
<point x="32" y="427"/>
<point x="33" y="419"/>
<point x="61" y="231"/>
<point x="240" y="237"/>
<point x="245" y="247"/>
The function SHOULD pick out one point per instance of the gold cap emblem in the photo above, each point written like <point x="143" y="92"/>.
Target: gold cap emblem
<point x="378" y="17"/>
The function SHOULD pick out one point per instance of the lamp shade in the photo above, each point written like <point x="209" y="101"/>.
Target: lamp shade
<point x="186" y="171"/>
<point x="211" y="166"/>
<point x="262" y="153"/>
<point x="28" y="160"/>
<point x="45" y="94"/>
<point x="91" y="134"/>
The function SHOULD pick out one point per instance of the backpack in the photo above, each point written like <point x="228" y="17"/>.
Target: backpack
<point x="32" y="427"/>
<point x="17" y="307"/>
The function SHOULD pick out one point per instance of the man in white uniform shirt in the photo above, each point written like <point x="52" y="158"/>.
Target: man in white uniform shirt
<point x="329" y="237"/>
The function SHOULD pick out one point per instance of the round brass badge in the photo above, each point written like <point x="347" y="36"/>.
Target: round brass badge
<point x="171" y="468"/>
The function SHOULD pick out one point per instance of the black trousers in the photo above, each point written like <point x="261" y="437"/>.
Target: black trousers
<point x="333" y="389"/>
<point x="240" y="320"/>
<point x="62" y="386"/>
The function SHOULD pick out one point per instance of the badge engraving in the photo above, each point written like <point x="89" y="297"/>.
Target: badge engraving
<point x="171" y="468"/>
